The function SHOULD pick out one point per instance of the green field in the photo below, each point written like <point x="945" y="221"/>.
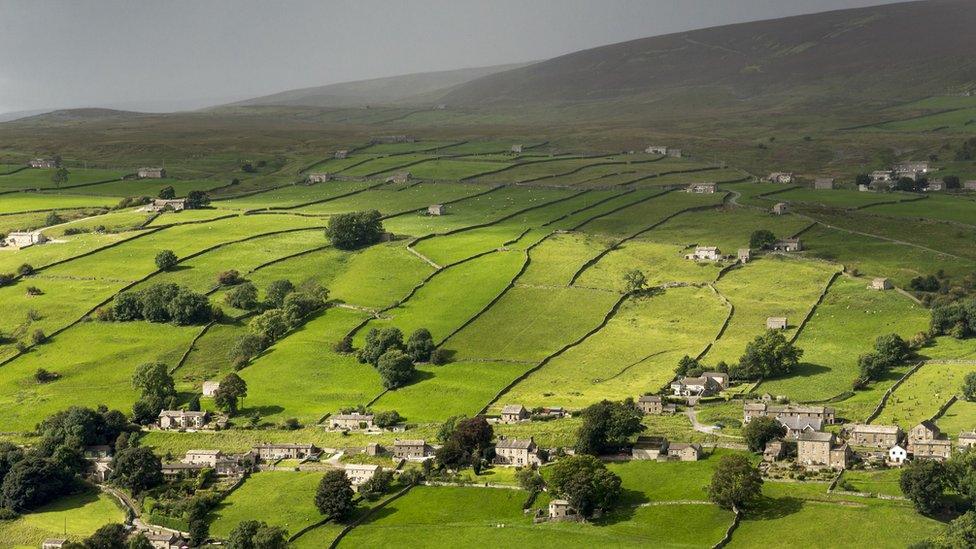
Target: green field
<point x="923" y="393"/>
<point x="78" y="516"/>
<point x="285" y="499"/>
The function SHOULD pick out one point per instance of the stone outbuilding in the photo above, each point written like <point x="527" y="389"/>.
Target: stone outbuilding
<point x="649" y="447"/>
<point x="780" y="177"/>
<point x="774" y="451"/>
<point x="744" y="255"/>
<point x="319" y="177"/>
<point x="412" y="449"/>
<point x="788" y="245"/>
<point x="54" y="543"/>
<point x="702" y="188"/>
<point x="398" y="178"/>
<point x="210" y="388"/>
<point x="436" y="209"/>
<point x="514" y="413"/>
<point x="881" y="284"/>
<point x="152" y="173"/>
<point x="341" y="154"/>
<point x="516" y="149"/>
<point x="359" y="473"/>
<point x="823" y="183"/>
<point x="781" y="208"/>
<point x="560" y="509"/>
<point x="777" y="323"/>
<point x="684" y="451"/>
<point x="705" y="253"/>
<point x="25" y="239"/>
<point x="160" y="204"/>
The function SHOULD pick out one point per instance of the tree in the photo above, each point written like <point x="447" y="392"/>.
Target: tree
<point x="245" y="348"/>
<point x="735" y="483"/>
<point x="271" y="537"/>
<point x="197" y="199"/>
<point x="762" y="239"/>
<point x="109" y="536"/>
<point x="153" y="379"/>
<point x="969" y="387"/>
<point x="584" y="481"/>
<point x="25" y="269"/>
<point x="862" y="179"/>
<point x="353" y="230"/>
<point x="378" y="342"/>
<point x="378" y="484"/>
<point x="923" y="483"/>
<point x="167" y="193"/>
<point x="447" y="428"/>
<point x="137" y="468"/>
<point x="166" y="260"/>
<point x="60" y="176"/>
<point x="761" y="430"/>
<point x="276" y="292"/>
<point x="768" y="355"/>
<point x="473" y="434"/>
<point x="951" y="182"/>
<point x="242" y="536"/>
<point x="298" y="305"/>
<point x="10" y="454"/>
<point x="386" y="419"/>
<point x="154" y="301"/>
<point x="529" y="479"/>
<point x="31" y="483"/>
<point x="127" y="306"/>
<point x="231" y="388"/>
<point x="607" y="426"/>
<point x="440" y="356"/>
<point x="243" y="296"/>
<point x="421" y="345"/>
<point x="635" y="281"/>
<point x="270" y="325"/>
<point x="188" y="307"/>
<point x="333" y="497"/>
<point x="451" y="456"/>
<point x="961" y="532"/>
<point x="396" y="368"/>
<point x="892" y="349"/>
<point x="229" y="278"/>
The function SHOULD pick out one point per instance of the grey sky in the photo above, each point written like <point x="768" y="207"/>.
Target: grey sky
<point x="162" y="55"/>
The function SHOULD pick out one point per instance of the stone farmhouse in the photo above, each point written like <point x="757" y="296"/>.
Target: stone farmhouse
<point x="744" y="255"/>
<point x="560" y="509"/>
<point x="780" y="177"/>
<point x="182" y="419"/>
<point x="795" y="426"/>
<point x="709" y="383"/>
<point x="881" y="284"/>
<point x="705" y="253"/>
<point x="654" y="405"/>
<point x="272" y="451"/>
<point x="762" y="409"/>
<point x="925" y="441"/>
<point x="875" y="436"/>
<point x="822" y="450"/>
<point x="359" y="473"/>
<point x="319" y="177"/>
<point x="99" y="458"/>
<point x="521" y="452"/>
<point x="516" y="149"/>
<point x="684" y="451"/>
<point x="408" y="449"/>
<point x="160" y="204"/>
<point x="656" y="149"/>
<point x="912" y="169"/>
<point x="788" y="245"/>
<point x="341" y="154"/>
<point x="22" y="239"/>
<point x="436" y="209"/>
<point x="702" y="188"/>
<point x="151" y="173"/>
<point x="210" y="388"/>
<point x="881" y="176"/>
<point x="897" y="455"/>
<point x="967" y="439"/>
<point x="823" y="183"/>
<point x="204" y="457"/>
<point x="781" y="208"/>
<point x="43" y="163"/>
<point x="165" y="540"/>
<point x="398" y="178"/>
<point x="514" y="413"/>
<point x="777" y="323"/>
<point x="351" y="422"/>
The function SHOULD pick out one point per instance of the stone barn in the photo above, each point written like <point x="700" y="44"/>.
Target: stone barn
<point x="152" y="173"/>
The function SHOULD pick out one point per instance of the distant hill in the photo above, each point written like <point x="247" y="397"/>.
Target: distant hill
<point x="884" y="53"/>
<point x="419" y="87"/>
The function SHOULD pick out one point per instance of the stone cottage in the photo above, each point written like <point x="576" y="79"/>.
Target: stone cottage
<point x="182" y="419"/>
<point x="818" y="449"/>
<point x="881" y="284"/>
<point x="352" y="422"/>
<point x="781" y="208"/>
<point x="436" y="209"/>
<point x="875" y="436"/>
<point x="411" y="449"/>
<point x="514" y="413"/>
<point x="520" y="452"/>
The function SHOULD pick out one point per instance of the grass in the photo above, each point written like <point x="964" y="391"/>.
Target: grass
<point x="636" y="352"/>
<point x="554" y="261"/>
<point x="73" y="246"/>
<point x="31" y="202"/>
<point x="961" y="416"/>
<point x="881" y="481"/>
<point x="41" y="178"/>
<point x="646" y="481"/>
<point x="292" y="195"/>
<point x="838" y="198"/>
<point x="74" y="517"/>
<point x="395" y="199"/>
<point x="280" y="498"/>
<point x="641" y="216"/>
<point x="935" y="207"/>
<point x="923" y="393"/>
<point x="845" y="326"/>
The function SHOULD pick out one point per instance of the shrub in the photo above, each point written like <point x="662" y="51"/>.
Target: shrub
<point x="395" y="368"/>
<point x="25" y="270"/>
<point x="243" y="296"/>
<point x="166" y="260"/>
<point x="291" y="424"/>
<point x="44" y="376"/>
<point x="167" y="193"/>
<point x="246" y="348"/>
<point x="34" y="290"/>
<point x="229" y="278"/>
<point x="6" y="278"/>
<point x="440" y="357"/>
<point x="38" y="337"/>
<point x="344" y="345"/>
<point x="762" y="239"/>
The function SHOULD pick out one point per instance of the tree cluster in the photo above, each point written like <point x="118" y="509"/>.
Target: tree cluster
<point x="956" y="319"/>
<point x="353" y="230"/>
<point x="889" y="351"/>
<point x="735" y="482"/>
<point x="253" y="534"/>
<point x="157" y="391"/>
<point x="769" y="355"/>
<point x="163" y="302"/>
<point x="467" y="442"/>
<point x="585" y="482"/>
<point x="333" y="498"/>
<point x="762" y="239"/>
<point x="607" y="426"/>
<point x="385" y="350"/>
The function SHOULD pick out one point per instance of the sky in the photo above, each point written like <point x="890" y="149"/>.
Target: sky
<point x="183" y="54"/>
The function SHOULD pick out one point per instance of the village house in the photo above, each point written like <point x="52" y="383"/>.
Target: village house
<point x="54" y="543"/>
<point x="881" y="176"/>
<point x="970" y="185"/>
<point x="967" y="439"/>
<point x="788" y="245"/>
<point x="701" y="386"/>
<point x="925" y="441"/>
<point x="165" y="540"/>
<point x="22" y="239"/>
<point x="881" y="284"/>
<point x="781" y="208"/>
<point x="896" y="455"/>
<point x="182" y="419"/>
<point x="43" y="163"/>
<point x="650" y="404"/>
<point x="341" y="154"/>
<point x="684" y="451"/>
<point x="408" y="449"/>
<point x="151" y="173"/>
<point x="795" y="426"/>
<point x="656" y="149"/>
<point x="516" y="149"/>
<point x="935" y="185"/>
<point x="513" y="451"/>
<point x="705" y="253"/>
<point x="398" y="178"/>
<point x="761" y="409"/>
<point x="702" y="188"/>
<point x="272" y="452"/>
<point x="210" y="388"/>
<point x="160" y="204"/>
<point x="925" y="430"/>
<point x="777" y="323"/>
<point x="774" y="451"/>
<point x="359" y="473"/>
<point x="817" y="449"/>
<point x="559" y="509"/>
<point x="100" y="461"/>
<point x="744" y="255"/>
<point x="823" y="183"/>
<point x="514" y="413"/>
<point x="649" y="447"/>
<point x="352" y="422"/>
<point x="875" y="436"/>
<point x="780" y="177"/>
<point x="319" y="177"/>
<point x="203" y="457"/>
<point x="912" y="169"/>
<point x="436" y="209"/>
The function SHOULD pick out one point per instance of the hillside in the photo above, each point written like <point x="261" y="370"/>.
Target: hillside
<point x="393" y="89"/>
<point x="884" y="53"/>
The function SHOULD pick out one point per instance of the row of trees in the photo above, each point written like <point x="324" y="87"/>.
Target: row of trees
<point x="163" y="302"/>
